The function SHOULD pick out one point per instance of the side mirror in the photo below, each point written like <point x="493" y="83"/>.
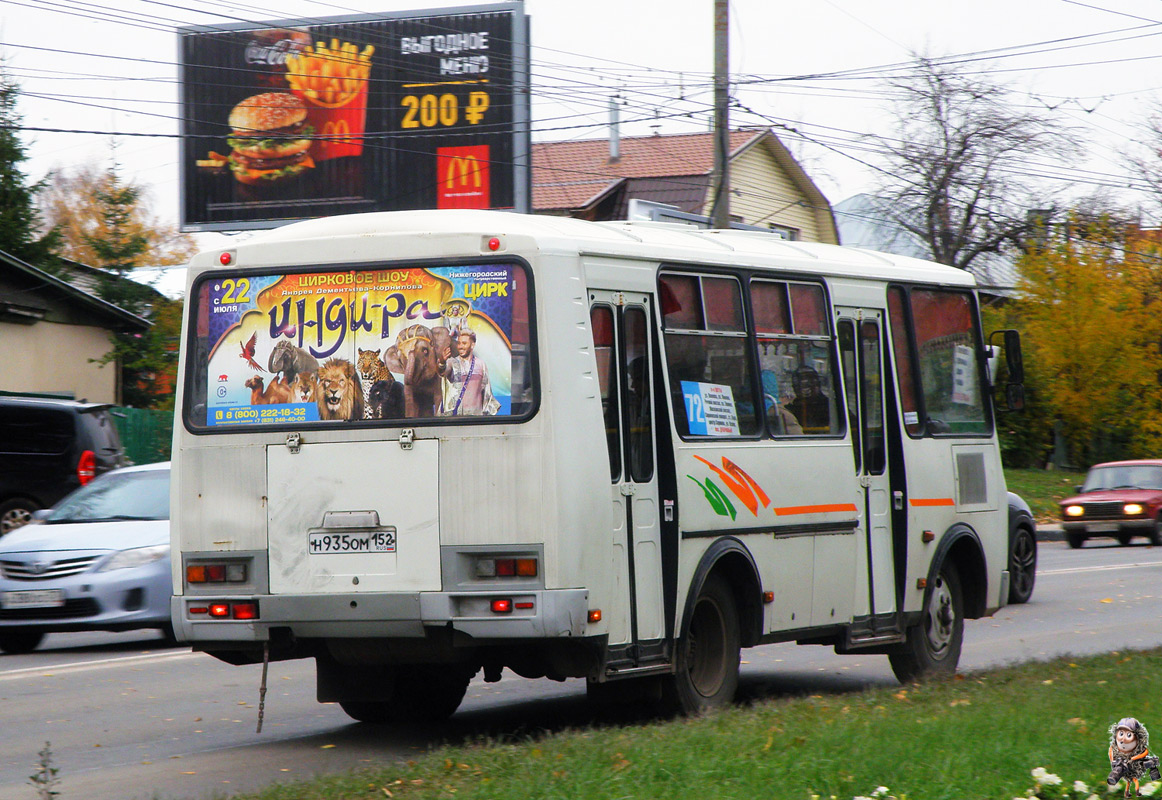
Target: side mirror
<point x="1013" y="359"/>
<point x="1015" y="397"/>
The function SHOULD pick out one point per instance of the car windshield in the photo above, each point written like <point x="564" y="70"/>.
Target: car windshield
<point x="117" y="495"/>
<point x="1127" y="476"/>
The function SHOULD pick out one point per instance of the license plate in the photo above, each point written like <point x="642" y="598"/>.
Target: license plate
<point x="1102" y="527"/>
<point x="36" y="598"/>
<point x="382" y="541"/>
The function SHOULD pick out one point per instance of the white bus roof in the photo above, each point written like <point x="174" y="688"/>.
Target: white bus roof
<point x="663" y="242"/>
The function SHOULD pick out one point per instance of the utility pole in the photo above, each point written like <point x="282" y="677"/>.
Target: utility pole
<point x="720" y="208"/>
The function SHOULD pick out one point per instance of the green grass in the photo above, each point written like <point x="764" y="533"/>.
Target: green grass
<point x="1042" y="488"/>
<point x="977" y="736"/>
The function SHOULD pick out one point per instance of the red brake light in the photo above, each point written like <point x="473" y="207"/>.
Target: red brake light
<point x="216" y="572"/>
<point x="87" y="467"/>
<point x="245" y="611"/>
<point x="220" y="610"/>
<point x="502" y="606"/>
<point x="506" y="567"/>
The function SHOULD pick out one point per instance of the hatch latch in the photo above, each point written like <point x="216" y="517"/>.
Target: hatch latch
<point x="293" y="442"/>
<point x="407" y="438"/>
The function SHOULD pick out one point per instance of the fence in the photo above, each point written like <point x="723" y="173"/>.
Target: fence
<point x="145" y="433"/>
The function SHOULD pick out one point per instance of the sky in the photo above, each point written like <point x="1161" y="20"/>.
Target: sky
<point x="92" y="69"/>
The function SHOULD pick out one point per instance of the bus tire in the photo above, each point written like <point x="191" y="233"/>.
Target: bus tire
<point x="420" y="693"/>
<point x="933" y="646"/>
<point x="707" y="656"/>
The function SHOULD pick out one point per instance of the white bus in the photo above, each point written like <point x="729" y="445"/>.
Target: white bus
<point x="417" y="445"/>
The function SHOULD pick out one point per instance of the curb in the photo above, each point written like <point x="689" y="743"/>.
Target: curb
<point x="1049" y="532"/>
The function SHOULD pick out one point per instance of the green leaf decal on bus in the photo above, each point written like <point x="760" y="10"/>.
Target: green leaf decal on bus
<point x="716" y="497"/>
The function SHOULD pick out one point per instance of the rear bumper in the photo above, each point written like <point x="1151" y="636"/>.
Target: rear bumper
<point x="554" y="613"/>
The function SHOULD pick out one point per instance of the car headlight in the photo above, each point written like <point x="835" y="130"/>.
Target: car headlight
<point x="1074" y="511"/>
<point x="1132" y="509"/>
<point x="137" y="557"/>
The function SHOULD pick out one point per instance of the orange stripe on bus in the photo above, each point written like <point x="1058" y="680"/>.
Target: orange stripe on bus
<point x="788" y="510"/>
<point x="933" y="501"/>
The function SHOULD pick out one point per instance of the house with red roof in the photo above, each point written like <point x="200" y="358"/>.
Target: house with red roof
<point x="595" y="179"/>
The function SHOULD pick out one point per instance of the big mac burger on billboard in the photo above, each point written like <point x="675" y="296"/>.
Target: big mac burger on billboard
<point x="293" y="119"/>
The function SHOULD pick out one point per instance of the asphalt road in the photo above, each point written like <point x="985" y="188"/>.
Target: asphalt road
<point x="130" y="718"/>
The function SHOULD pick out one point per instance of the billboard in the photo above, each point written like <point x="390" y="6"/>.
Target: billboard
<point x="294" y="119"/>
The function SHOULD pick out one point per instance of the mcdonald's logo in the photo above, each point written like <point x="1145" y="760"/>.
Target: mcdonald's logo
<point x="462" y="177"/>
<point x="337" y="131"/>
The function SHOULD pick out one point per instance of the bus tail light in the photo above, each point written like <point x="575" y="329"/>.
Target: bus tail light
<point x="595" y="615"/>
<point x="506" y="568"/>
<point x="502" y="606"/>
<point x="244" y="610"/>
<point x="228" y="572"/>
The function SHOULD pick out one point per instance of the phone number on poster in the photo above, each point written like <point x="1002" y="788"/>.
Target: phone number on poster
<point x="326" y="543"/>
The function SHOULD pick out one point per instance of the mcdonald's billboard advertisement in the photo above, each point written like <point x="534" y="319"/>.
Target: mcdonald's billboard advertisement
<point x="294" y="119"/>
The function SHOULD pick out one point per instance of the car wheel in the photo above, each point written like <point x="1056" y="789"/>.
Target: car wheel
<point x="15" y="641"/>
<point x="933" y="646"/>
<point x="16" y="512"/>
<point x="1022" y="566"/>
<point x="707" y="657"/>
<point x="1156" y="532"/>
<point x="1124" y="539"/>
<point x="1075" y="540"/>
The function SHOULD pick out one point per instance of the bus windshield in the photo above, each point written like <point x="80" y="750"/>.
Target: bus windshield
<point x="366" y="345"/>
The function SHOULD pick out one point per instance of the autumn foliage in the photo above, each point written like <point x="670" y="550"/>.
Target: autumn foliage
<point x="1091" y="313"/>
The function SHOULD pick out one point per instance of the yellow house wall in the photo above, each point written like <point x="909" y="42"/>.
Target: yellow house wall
<point x="53" y="358"/>
<point x="762" y="193"/>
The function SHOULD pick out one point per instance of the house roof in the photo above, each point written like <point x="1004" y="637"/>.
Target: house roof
<point x="44" y="282"/>
<point x="576" y="174"/>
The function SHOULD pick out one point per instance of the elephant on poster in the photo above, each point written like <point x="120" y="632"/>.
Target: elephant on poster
<point x="415" y="355"/>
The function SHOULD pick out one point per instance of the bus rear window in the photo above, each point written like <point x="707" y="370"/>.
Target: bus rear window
<point x="368" y="345"/>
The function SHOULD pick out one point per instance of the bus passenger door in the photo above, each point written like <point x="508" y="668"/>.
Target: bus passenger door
<point x="621" y="338"/>
<point x="861" y="350"/>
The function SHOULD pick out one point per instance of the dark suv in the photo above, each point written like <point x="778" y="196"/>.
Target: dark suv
<point x="48" y="448"/>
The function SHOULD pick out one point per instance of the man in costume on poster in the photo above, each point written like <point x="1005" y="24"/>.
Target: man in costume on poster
<point x="467" y="390"/>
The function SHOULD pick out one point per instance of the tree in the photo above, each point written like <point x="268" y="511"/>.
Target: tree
<point x="953" y="170"/>
<point x="1089" y="303"/>
<point x="72" y="200"/>
<point x="19" y="219"/>
<point x="117" y="241"/>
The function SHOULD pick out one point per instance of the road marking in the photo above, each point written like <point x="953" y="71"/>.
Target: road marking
<point x="1097" y="569"/>
<point x="85" y="666"/>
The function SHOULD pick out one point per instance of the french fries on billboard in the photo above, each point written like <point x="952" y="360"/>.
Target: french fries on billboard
<point x="330" y="76"/>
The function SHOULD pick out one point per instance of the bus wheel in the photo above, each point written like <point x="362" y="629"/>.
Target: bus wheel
<point x="706" y="661"/>
<point x="933" y="646"/>
<point x="420" y="693"/>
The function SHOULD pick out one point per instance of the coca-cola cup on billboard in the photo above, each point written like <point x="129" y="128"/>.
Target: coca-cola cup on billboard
<point x="267" y="53"/>
<point x="333" y="83"/>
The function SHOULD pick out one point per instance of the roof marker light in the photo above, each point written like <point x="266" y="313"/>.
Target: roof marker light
<point x="494" y="244"/>
<point x="226" y="259"/>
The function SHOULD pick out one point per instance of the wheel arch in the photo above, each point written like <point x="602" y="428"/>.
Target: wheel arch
<point x="730" y="558"/>
<point x="961" y="547"/>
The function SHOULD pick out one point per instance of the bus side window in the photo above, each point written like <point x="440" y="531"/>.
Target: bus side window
<point x="708" y="356"/>
<point x="800" y="388"/>
<point x="601" y="321"/>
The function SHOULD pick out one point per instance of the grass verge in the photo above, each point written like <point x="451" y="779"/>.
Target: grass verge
<point x="976" y="736"/>
<point x="1043" y="488"/>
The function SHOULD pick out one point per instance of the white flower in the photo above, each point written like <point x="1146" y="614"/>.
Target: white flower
<point x="1080" y="787"/>
<point x="881" y="791"/>
<point x="1149" y="789"/>
<point x="1039" y="773"/>
<point x="1049" y="779"/>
